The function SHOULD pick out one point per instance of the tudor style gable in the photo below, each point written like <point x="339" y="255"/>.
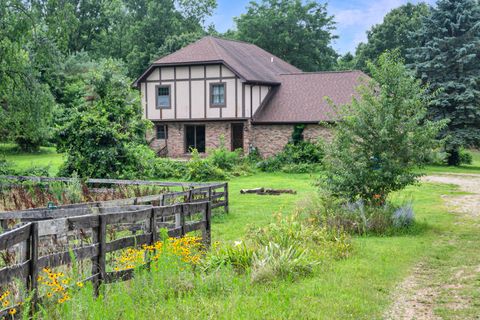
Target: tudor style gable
<point x="199" y="92"/>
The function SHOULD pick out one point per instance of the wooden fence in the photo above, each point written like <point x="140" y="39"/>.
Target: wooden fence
<point x="174" y="218"/>
<point x="178" y="212"/>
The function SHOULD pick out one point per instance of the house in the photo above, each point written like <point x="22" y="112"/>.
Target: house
<point x="217" y="89"/>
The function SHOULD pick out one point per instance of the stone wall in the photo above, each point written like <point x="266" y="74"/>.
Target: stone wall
<point x="312" y="132"/>
<point x="270" y="139"/>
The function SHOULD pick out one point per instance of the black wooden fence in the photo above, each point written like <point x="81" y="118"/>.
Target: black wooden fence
<point x="178" y="212"/>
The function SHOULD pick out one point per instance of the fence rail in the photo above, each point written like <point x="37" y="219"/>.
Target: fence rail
<point x="31" y="233"/>
<point x="179" y="212"/>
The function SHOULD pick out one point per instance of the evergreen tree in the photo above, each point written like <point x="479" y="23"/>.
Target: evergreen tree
<point x="448" y="58"/>
<point x="396" y="32"/>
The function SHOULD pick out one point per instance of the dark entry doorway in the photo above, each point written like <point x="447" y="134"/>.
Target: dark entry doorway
<point x="237" y="136"/>
<point x="195" y="138"/>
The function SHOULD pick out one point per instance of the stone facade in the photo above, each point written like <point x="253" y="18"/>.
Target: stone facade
<point x="312" y="132"/>
<point x="268" y="138"/>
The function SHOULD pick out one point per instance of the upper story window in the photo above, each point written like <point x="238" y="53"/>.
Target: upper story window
<point x="163" y="97"/>
<point x="217" y="95"/>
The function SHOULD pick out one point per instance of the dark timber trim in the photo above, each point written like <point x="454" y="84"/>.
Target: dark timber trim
<point x="243" y="99"/>
<point x="190" y="92"/>
<point x="236" y="97"/>
<point x="205" y="91"/>
<point x="192" y="79"/>
<point x="175" y="93"/>
<point x="224" y="90"/>
<point x="146" y="100"/>
<point x="251" y="100"/>
<point x="160" y="82"/>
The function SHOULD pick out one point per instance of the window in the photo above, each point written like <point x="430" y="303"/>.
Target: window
<point x="163" y="97"/>
<point x="194" y="138"/>
<point x="162" y="132"/>
<point x="217" y="94"/>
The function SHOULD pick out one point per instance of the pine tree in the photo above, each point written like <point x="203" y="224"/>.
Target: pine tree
<point x="448" y="58"/>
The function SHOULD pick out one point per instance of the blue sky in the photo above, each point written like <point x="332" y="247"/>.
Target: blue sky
<point x="353" y="17"/>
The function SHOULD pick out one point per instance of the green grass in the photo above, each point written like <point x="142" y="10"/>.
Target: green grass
<point x="359" y="287"/>
<point x="46" y="156"/>
<point x="471" y="168"/>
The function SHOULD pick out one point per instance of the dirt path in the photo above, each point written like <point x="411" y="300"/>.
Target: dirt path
<point x="440" y="287"/>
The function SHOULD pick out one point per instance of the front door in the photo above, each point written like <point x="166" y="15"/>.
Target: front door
<point x="237" y="136"/>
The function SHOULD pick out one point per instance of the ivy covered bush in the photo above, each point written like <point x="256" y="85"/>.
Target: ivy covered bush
<point x="296" y="157"/>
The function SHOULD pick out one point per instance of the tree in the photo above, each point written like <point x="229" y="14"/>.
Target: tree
<point x="383" y="135"/>
<point x="26" y="56"/>
<point x="396" y="32"/>
<point x="448" y="59"/>
<point x="105" y="136"/>
<point x="298" y="32"/>
<point x="346" y="62"/>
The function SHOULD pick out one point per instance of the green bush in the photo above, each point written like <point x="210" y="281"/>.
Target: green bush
<point x="295" y="158"/>
<point x="301" y="168"/>
<point x="358" y="217"/>
<point x="165" y="168"/>
<point x="274" y="261"/>
<point x="199" y="169"/>
<point x="238" y="256"/>
<point x="223" y="158"/>
<point x="6" y="167"/>
<point x="37" y="171"/>
<point x="384" y="136"/>
<point x="465" y="157"/>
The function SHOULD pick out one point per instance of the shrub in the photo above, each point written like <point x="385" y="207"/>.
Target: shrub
<point x="274" y="261"/>
<point x="358" y="217"/>
<point x="465" y="157"/>
<point x="403" y="217"/>
<point x="301" y="168"/>
<point x="224" y="158"/>
<point x="271" y="164"/>
<point x="38" y="171"/>
<point x="383" y="137"/>
<point x="6" y="167"/>
<point x="304" y="154"/>
<point x="238" y="256"/>
<point x="199" y="169"/>
<point x="165" y="168"/>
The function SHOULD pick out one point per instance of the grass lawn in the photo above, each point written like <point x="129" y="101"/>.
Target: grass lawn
<point x="471" y="168"/>
<point x="360" y="287"/>
<point x="46" y="156"/>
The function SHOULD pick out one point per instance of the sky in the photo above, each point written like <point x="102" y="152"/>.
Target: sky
<point x="353" y="17"/>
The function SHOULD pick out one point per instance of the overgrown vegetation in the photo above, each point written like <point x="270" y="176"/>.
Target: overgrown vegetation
<point x="384" y="136"/>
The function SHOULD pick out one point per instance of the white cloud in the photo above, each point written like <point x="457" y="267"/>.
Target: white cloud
<point x="352" y="24"/>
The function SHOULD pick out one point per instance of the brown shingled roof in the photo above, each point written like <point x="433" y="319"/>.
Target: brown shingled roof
<point x="247" y="60"/>
<point x="301" y="97"/>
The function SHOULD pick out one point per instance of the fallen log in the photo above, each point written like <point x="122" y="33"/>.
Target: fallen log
<point x="267" y="191"/>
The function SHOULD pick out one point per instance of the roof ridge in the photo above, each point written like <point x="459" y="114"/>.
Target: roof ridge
<point x="320" y="72"/>
<point x="215" y="47"/>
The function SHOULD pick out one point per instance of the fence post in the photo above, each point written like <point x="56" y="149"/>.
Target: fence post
<point x="206" y="230"/>
<point x="98" y="263"/>
<point x="225" y="196"/>
<point x="32" y="247"/>
<point x="210" y="194"/>
<point x="102" y="248"/>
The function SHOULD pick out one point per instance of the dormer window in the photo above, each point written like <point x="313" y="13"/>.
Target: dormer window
<point x="163" y="97"/>
<point x="217" y="94"/>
